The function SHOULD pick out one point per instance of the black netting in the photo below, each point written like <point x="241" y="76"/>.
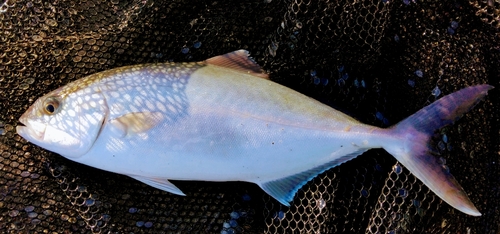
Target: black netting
<point x="378" y="61"/>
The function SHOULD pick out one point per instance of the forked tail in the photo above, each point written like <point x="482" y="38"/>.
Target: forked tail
<point x="416" y="153"/>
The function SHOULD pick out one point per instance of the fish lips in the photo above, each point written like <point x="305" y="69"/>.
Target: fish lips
<point x="32" y="131"/>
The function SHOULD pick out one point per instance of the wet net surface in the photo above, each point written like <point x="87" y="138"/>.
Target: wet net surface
<point x="378" y="61"/>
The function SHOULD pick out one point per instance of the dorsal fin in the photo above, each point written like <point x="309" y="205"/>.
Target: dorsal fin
<point x="238" y="60"/>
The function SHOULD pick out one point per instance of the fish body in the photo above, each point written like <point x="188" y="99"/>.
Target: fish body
<point x="223" y="120"/>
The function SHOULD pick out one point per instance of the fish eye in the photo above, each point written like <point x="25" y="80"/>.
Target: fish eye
<point x="50" y="105"/>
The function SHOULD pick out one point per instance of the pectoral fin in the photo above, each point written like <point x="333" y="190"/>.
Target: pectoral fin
<point x="159" y="183"/>
<point x="284" y="189"/>
<point x="137" y="122"/>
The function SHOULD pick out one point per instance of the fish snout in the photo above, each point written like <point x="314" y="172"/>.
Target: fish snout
<point x="30" y="130"/>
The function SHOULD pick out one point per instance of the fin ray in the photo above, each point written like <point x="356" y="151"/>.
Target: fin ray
<point x="162" y="184"/>
<point x="284" y="189"/>
<point x="238" y="60"/>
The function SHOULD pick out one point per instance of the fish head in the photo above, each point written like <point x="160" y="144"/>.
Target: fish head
<point x="67" y="123"/>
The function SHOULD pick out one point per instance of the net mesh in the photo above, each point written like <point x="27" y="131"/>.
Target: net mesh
<point x="378" y="61"/>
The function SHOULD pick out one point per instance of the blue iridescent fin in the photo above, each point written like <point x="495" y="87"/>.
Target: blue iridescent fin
<point x="284" y="189"/>
<point x="416" y="154"/>
<point x="162" y="184"/>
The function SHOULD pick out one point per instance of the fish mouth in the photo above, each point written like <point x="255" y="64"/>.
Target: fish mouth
<point x="30" y="130"/>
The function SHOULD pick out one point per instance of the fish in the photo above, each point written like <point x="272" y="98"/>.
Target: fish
<point x="223" y="119"/>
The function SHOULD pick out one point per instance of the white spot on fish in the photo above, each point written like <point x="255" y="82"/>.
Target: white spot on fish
<point x="138" y="101"/>
<point x="150" y="105"/>
<point x="134" y="109"/>
<point x="120" y="82"/>
<point x="127" y="97"/>
<point x="161" y="107"/>
<point x="161" y="98"/>
<point x="171" y="108"/>
<point x="177" y="99"/>
<point x="170" y="99"/>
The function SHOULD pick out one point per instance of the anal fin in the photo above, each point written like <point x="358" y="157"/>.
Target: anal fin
<point x="159" y="183"/>
<point x="284" y="189"/>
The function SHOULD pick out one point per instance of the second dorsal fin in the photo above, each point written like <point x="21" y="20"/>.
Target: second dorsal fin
<point x="238" y="60"/>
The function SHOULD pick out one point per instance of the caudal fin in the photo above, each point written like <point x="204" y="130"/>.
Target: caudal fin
<point x="417" y="154"/>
